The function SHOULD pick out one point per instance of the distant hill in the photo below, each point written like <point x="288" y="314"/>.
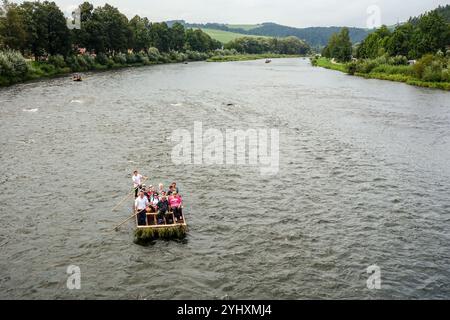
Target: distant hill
<point x="246" y="27"/>
<point x="225" y="36"/>
<point x="314" y="36"/>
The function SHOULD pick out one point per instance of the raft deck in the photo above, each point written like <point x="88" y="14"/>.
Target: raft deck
<point x="153" y="231"/>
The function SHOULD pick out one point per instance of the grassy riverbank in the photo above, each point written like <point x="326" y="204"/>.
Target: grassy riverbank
<point x="328" y="64"/>
<point x="15" y="69"/>
<point x="246" y="57"/>
<point x="383" y="71"/>
<point x="38" y="70"/>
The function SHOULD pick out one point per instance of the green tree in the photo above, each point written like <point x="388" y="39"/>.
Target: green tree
<point x="197" y="40"/>
<point x="114" y="27"/>
<point x="160" y="36"/>
<point x="58" y="33"/>
<point x="375" y="44"/>
<point x="432" y="34"/>
<point x="12" y="28"/>
<point x="140" y="34"/>
<point x="177" y="37"/>
<point x="344" y="48"/>
<point x="400" y="42"/>
<point x="46" y="28"/>
<point x="80" y="37"/>
<point x="289" y="45"/>
<point x="339" y="46"/>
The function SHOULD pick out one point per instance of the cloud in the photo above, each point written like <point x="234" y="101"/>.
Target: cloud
<point x="298" y="13"/>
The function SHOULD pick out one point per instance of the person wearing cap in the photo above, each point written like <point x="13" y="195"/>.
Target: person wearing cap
<point x="140" y="206"/>
<point x="175" y="202"/>
<point x="137" y="182"/>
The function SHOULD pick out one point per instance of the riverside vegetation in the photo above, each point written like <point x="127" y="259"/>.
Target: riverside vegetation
<point x="430" y="71"/>
<point x="416" y="52"/>
<point x="35" y="42"/>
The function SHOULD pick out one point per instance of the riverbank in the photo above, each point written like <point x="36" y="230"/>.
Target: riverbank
<point x="247" y="57"/>
<point x="58" y="66"/>
<point x="16" y="69"/>
<point x="399" y="73"/>
<point x="42" y="70"/>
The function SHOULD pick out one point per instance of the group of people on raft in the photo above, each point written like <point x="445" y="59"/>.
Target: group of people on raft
<point x="166" y="205"/>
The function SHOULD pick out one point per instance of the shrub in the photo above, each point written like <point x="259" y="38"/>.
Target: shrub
<point x="90" y="61"/>
<point x="109" y="63"/>
<point x="175" y="56"/>
<point x="366" y="66"/>
<point x="47" y="68"/>
<point x="433" y="72"/>
<point x="102" y="59"/>
<point x="6" y="66"/>
<point x="197" y="56"/>
<point x="72" y="63"/>
<point x="165" y="58"/>
<point x="446" y="74"/>
<point x="394" y="69"/>
<point x="82" y="63"/>
<point x="131" y="58"/>
<point x="120" y="58"/>
<point x="142" y="58"/>
<point x="419" y="67"/>
<point x="380" y="60"/>
<point x="154" y="55"/>
<point x="398" y="61"/>
<point x="225" y="52"/>
<point x="57" y="61"/>
<point x="13" y="65"/>
<point x="351" y="68"/>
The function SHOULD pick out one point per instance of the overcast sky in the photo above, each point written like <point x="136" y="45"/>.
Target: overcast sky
<point x="297" y="13"/>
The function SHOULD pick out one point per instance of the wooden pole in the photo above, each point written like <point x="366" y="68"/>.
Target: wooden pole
<point x="125" y="221"/>
<point x="127" y="196"/>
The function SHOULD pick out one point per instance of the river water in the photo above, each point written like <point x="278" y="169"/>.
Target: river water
<point x="363" y="180"/>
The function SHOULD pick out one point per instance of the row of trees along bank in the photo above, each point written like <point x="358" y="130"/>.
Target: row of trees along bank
<point x="106" y="39"/>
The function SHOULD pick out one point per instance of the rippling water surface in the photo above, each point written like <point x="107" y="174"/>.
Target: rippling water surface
<point x="364" y="179"/>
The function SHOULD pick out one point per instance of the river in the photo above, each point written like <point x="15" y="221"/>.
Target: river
<point x="363" y="181"/>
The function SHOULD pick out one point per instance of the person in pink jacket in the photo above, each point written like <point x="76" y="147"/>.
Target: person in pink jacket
<point x="175" y="202"/>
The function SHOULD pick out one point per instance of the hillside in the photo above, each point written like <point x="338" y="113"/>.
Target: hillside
<point x="224" y="36"/>
<point x="315" y="36"/>
<point x="246" y="27"/>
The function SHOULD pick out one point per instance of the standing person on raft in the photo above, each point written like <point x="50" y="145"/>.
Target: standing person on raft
<point x="137" y="182"/>
<point x="140" y="207"/>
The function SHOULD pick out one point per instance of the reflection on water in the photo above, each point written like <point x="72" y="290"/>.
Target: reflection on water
<point x="363" y="180"/>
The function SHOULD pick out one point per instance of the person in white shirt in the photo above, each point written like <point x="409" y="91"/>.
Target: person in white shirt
<point x="137" y="182"/>
<point x="161" y="189"/>
<point x="140" y="205"/>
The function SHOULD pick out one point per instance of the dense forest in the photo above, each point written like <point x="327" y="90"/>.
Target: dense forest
<point x="40" y="29"/>
<point x="417" y="52"/>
